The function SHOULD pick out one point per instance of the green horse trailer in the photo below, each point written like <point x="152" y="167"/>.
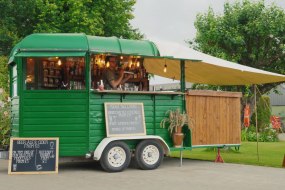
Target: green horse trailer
<point x="56" y="91"/>
<point x="54" y="80"/>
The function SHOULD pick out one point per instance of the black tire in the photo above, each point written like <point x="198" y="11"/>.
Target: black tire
<point x="111" y="164"/>
<point x="148" y="154"/>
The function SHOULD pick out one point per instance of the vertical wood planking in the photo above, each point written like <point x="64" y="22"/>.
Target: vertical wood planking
<point x="216" y="116"/>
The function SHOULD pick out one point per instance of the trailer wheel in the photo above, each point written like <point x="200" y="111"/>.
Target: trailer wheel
<point x="116" y="157"/>
<point x="148" y="155"/>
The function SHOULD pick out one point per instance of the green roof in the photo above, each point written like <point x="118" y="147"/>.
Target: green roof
<point x="35" y="44"/>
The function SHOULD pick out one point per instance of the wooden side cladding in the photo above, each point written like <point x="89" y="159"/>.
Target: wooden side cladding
<point x="216" y="117"/>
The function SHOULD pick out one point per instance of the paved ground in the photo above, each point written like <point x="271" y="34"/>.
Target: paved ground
<point x="193" y="175"/>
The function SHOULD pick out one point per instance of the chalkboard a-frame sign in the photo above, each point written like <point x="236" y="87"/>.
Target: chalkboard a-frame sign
<point x="124" y="119"/>
<point x="33" y="156"/>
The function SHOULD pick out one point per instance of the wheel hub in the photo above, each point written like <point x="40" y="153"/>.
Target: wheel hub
<point x="150" y="154"/>
<point x="116" y="156"/>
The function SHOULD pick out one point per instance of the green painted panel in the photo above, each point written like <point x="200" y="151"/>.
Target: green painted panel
<point x="15" y="133"/>
<point x="138" y="97"/>
<point x="15" y="101"/>
<point x="163" y="103"/>
<point x="96" y="114"/>
<point x="96" y="102"/>
<point x="15" y="109"/>
<point x="96" y="139"/>
<point x="54" y="127"/>
<point x="56" y="108"/>
<point x="165" y="108"/>
<point x="62" y="114"/>
<point x="148" y="113"/>
<point x="105" y="96"/>
<point x="168" y="103"/>
<point x="150" y="131"/>
<point x="71" y="94"/>
<point x="54" y="114"/>
<point x="15" y="117"/>
<point x="148" y="108"/>
<point x="94" y="133"/>
<point x="168" y="97"/>
<point x="73" y="140"/>
<point x="55" y="121"/>
<point x="44" y="102"/>
<point x="61" y="134"/>
<point x="92" y="146"/>
<point x="98" y="120"/>
<point x="15" y="121"/>
<point x="98" y="108"/>
<point x="97" y="126"/>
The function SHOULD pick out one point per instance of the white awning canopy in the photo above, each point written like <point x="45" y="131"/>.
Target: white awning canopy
<point x="209" y="70"/>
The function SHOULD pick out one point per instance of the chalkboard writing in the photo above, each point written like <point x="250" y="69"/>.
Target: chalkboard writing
<point x="124" y="119"/>
<point x="33" y="155"/>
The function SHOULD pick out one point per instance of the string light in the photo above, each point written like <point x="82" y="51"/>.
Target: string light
<point x="138" y="64"/>
<point x="108" y="64"/>
<point x="165" y="68"/>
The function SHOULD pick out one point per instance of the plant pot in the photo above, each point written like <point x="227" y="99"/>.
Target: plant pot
<point x="177" y="139"/>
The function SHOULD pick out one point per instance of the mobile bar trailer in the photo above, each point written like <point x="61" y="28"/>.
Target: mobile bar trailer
<point x="53" y="85"/>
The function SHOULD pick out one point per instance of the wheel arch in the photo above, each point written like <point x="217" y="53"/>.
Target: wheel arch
<point x="102" y="145"/>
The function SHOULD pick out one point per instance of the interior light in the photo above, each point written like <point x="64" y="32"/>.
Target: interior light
<point x="108" y="64"/>
<point x="121" y="57"/>
<point x="130" y="64"/>
<point x="59" y="62"/>
<point x="165" y="68"/>
<point x="138" y="64"/>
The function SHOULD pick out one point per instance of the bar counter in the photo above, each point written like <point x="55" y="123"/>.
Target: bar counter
<point x="137" y="92"/>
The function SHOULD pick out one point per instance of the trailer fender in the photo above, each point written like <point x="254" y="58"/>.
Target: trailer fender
<point x="102" y="145"/>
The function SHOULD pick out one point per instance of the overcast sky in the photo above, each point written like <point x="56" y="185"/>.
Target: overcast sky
<point x="173" y="20"/>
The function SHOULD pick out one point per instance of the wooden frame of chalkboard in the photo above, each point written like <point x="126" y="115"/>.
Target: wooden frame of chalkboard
<point x="124" y="119"/>
<point x="28" y="150"/>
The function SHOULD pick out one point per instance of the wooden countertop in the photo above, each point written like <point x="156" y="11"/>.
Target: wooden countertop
<point x="214" y="93"/>
<point x="138" y="92"/>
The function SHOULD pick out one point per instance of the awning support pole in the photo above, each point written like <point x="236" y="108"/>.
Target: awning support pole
<point x="182" y="82"/>
<point x="256" y="128"/>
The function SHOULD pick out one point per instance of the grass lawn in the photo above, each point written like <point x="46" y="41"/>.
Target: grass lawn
<point x="270" y="154"/>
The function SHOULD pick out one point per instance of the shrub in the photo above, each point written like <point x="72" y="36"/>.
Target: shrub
<point x="267" y="135"/>
<point x="4" y="119"/>
<point x="4" y="103"/>
<point x="263" y="114"/>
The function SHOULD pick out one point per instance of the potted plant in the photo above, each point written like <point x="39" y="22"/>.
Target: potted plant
<point x="175" y="122"/>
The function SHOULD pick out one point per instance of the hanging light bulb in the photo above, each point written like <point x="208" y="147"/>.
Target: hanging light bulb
<point x="138" y="64"/>
<point x="108" y="64"/>
<point x="59" y="62"/>
<point x="121" y="57"/>
<point x="130" y="64"/>
<point x="165" y="68"/>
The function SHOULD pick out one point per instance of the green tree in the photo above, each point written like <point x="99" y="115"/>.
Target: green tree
<point x="249" y="33"/>
<point x="4" y="103"/>
<point x="93" y="17"/>
<point x="4" y="76"/>
<point x="21" y="18"/>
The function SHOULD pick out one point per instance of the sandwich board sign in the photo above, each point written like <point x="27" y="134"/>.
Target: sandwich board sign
<point x="33" y="156"/>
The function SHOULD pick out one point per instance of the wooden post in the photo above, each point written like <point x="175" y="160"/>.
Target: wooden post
<point x="283" y="165"/>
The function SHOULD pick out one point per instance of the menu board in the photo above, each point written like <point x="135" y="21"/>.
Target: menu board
<point x="124" y="119"/>
<point x="33" y="156"/>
